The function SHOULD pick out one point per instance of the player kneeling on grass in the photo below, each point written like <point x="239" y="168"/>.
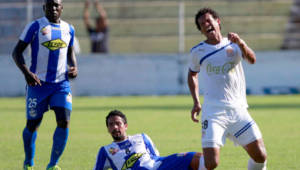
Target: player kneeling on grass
<point x="138" y="151"/>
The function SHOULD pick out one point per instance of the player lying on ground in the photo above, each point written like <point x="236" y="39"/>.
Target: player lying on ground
<point x="138" y="152"/>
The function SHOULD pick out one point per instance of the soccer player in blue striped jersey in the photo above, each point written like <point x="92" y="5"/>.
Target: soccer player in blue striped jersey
<point x="138" y="152"/>
<point x="53" y="62"/>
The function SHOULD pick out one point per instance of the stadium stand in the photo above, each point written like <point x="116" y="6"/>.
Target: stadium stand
<point x="292" y="33"/>
<point x="141" y="26"/>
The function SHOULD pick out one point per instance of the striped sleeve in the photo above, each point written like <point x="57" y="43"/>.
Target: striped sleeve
<point x="102" y="160"/>
<point x="72" y="33"/>
<point x="29" y="32"/>
<point x="150" y="145"/>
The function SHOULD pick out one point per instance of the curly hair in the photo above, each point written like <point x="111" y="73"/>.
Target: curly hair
<point x="202" y="12"/>
<point x="116" y="113"/>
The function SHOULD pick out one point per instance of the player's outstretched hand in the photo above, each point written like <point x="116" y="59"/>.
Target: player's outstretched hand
<point x="72" y="72"/>
<point x="195" y="112"/>
<point x="32" y="79"/>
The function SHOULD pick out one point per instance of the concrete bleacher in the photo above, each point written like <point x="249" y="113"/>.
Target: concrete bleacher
<point x="292" y="33"/>
<point x="141" y="26"/>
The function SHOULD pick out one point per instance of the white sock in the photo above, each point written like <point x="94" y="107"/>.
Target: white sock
<point x="201" y="163"/>
<point x="252" y="165"/>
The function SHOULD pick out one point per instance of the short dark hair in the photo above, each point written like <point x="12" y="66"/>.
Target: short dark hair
<point x="202" y="12"/>
<point x="116" y="113"/>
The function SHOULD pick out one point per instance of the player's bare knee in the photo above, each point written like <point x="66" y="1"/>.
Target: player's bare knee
<point x="63" y="124"/>
<point x="261" y="157"/>
<point x="211" y="164"/>
<point x="33" y="125"/>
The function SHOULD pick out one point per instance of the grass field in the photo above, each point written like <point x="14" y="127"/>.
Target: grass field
<point x="165" y="119"/>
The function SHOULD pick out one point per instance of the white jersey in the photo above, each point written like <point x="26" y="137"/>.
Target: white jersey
<point x="222" y="72"/>
<point x="136" y="152"/>
<point x="49" y="48"/>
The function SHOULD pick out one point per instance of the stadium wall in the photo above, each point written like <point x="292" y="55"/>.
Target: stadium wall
<point x="159" y="74"/>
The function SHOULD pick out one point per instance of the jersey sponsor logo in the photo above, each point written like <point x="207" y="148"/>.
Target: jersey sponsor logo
<point x="54" y="44"/>
<point x="131" y="161"/>
<point x="222" y="69"/>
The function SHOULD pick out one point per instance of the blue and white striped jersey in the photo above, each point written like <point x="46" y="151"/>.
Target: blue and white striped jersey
<point x="137" y="152"/>
<point x="49" y="48"/>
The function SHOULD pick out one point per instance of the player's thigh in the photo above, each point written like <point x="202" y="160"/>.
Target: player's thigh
<point x="213" y="132"/>
<point x="61" y="99"/>
<point x="177" y="161"/>
<point x="61" y="103"/>
<point x="244" y="130"/>
<point x="36" y="102"/>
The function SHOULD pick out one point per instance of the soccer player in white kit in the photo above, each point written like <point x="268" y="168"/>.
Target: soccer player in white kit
<point x="138" y="152"/>
<point x="224" y="110"/>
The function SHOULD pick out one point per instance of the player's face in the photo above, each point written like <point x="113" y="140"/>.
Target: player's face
<point x="117" y="128"/>
<point x="53" y="9"/>
<point x="210" y="26"/>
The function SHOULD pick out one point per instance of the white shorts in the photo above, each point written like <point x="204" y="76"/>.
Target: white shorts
<point x="218" y="123"/>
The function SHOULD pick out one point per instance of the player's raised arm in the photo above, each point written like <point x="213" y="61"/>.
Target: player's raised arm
<point x="86" y="14"/>
<point x="18" y="57"/>
<point x="102" y="13"/>
<point x="247" y="52"/>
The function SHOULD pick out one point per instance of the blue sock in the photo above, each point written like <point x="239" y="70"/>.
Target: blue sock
<point x="29" y="146"/>
<point x="60" y="138"/>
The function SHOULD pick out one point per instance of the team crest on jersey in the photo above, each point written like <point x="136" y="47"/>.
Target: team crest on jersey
<point x="131" y="161"/>
<point x="45" y="31"/>
<point x="54" y="44"/>
<point x="113" y="151"/>
<point x="230" y="52"/>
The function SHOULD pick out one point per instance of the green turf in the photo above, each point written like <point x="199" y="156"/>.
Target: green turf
<point x="165" y="119"/>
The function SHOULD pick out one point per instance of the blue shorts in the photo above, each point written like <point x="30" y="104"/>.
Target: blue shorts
<point x="40" y="98"/>
<point x="177" y="161"/>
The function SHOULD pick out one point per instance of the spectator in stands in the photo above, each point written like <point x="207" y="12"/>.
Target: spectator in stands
<point x="98" y="34"/>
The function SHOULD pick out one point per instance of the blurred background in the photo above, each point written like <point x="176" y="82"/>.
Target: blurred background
<point x="150" y="26"/>
<point x="150" y="35"/>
